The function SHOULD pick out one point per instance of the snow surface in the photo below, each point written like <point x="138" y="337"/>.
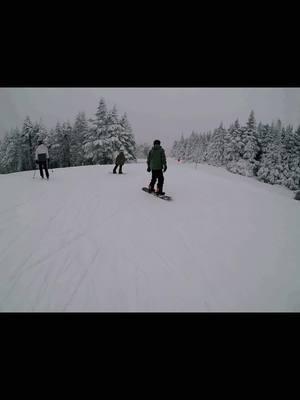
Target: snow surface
<point x="88" y="240"/>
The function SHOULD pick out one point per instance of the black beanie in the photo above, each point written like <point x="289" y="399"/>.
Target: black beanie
<point x="156" y="141"/>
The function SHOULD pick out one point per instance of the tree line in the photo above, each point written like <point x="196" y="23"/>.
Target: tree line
<point x="269" y="152"/>
<point x="85" y="142"/>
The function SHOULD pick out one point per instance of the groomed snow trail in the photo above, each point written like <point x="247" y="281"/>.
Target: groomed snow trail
<point x="89" y="240"/>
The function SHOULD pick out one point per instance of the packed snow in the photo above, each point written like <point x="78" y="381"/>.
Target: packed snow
<point x="91" y="241"/>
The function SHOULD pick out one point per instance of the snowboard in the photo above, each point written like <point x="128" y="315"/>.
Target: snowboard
<point x="117" y="173"/>
<point x="161" y="196"/>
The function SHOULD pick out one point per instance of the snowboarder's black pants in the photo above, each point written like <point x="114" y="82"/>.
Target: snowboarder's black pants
<point x="157" y="174"/>
<point x="43" y="164"/>
<point x="120" y="168"/>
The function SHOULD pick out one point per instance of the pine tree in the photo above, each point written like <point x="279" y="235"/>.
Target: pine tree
<point x="200" y="149"/>
<point x="4" y="165"/>
<point x="216" y="147"/>
<point x="273" y="160"/>
<point x="56" y="146"/>
<point x="66" y="144"/>
<point x="251" y="145"/>
<point x="111" y="143"/>
<point x="174" y="149"/>
<point x="192" y="149"/>
<point x="231" y="149"/>
<point x="101" y="114"/>
<point x="263" y="139"/>
<point x="53" y="148"/>
<point x="29" y="139"/>
<point x="11" y="152"/>
<point x="79" y="134"/>
<point x="94" y="146"/>
<point x="292" y="139"/>
<point x="2" y="170"/>
<point x="242" y="148"/>
<point x="181" y="149"/>
<point x="126" y="138"/>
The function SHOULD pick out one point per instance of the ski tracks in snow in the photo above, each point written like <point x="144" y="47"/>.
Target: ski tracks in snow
<point x="90" y="242"/>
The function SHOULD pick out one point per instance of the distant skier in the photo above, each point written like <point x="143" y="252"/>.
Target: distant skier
<point x="157" y="163"/>
<point x="120" y="161"/>
<point x="42" y="158"/>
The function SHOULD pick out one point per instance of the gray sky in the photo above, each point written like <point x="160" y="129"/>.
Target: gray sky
<point x="162" y="113"/>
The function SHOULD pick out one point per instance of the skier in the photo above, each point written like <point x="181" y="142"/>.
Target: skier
<point x="42" y="158"/>
<point x="120" y="161"/>
<point x="157" y="163"/>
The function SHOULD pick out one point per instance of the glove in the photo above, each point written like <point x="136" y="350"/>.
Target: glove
<point x="36" y="161"/>
<point x="148" y="169"/>
<point x="165" y="168"/>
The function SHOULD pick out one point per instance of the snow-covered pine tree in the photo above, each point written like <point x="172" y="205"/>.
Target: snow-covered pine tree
<point x="66" y="144"/>
<point x="206" y="141"/>
<point x="56" y="146"/>
<point x="94" y="146"/>
<point x="4" y="164"/>
<point x="251" y="149"/>
<point x="242" y="148"/>
<point x="231" y="151"/>
<point x="17" y="139"/>
<point x="292" y="170"/>
<point x="274" y="158"/>
<point x="174" y="149"/>
<point x="126" y="138"/>
<point x="110" y="142"/>
<point x="192" y="147"/>
<point x="181" y="149"/>
<point x="188" y="149"/>
<point x="11" y="152"/>
<point x="215" y="151"/>
<point x="259" y="130"/>
<point x="29" y="139"/>
<point x="231" y="147"/>
<point x="265" y="137"/>
<point x="198" y="151"/>
<point x="1" y="155"/>
<point x="79" y="133"/>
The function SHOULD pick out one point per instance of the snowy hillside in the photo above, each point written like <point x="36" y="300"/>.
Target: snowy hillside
<point x="88" y="240"/>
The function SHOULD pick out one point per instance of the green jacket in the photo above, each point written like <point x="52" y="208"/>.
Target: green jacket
<point x="120" y="160"/>
<point x="156" y="158"/>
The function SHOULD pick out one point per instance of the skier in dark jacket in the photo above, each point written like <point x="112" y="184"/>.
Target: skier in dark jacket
<point x="42" y="158"/>
<point x="120" y="161"/>
<point x="157" y="163"/>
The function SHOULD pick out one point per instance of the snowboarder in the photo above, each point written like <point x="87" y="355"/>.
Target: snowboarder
<point x="120" y="161"/>
<point x="157" y="163"/>
<point x="42" y="158"/>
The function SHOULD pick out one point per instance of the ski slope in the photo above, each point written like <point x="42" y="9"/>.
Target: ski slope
<point x="91" y="241"/>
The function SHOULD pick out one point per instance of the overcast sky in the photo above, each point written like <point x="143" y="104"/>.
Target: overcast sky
<point x="162" y="113"/>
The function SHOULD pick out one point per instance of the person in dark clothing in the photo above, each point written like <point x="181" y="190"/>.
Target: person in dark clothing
<point x="120" y="161"/>
<point x="157" y="163"/>
<point x="42" y="158"/>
